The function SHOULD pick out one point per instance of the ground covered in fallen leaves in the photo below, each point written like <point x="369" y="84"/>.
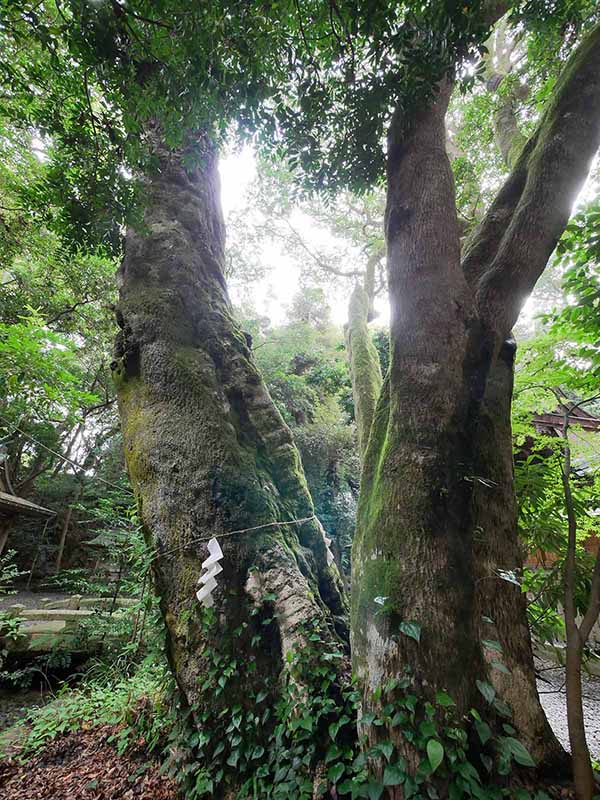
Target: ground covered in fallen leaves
<point x="85" y="766"/>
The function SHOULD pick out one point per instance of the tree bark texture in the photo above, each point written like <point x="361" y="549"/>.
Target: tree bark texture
<point x="365" y="369"/>
<point x="500" y="605"/>
<point x="437" y="517"/>
<point x="412" y="546"/>
<point x="206" y="450"/>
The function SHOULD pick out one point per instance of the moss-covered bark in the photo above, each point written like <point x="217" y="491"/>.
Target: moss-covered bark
<point x="365" y="368"/>
<point x="413" y="555"/>
<point x="206" y="449"/>
<point x="431" y="533"/>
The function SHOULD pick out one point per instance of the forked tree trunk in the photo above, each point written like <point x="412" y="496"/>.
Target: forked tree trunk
<point x="206" y="449"/>
<point x="427" y="539"/>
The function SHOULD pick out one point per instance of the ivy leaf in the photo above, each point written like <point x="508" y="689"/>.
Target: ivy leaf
<point x="394" y="774"/>
<point x="491" y="644"/>
<point x="444" y="700"/>
<point x="368" y="719"/>
<point x="427" y="729"/>
<point x="435" y="753"/>
<point x="502" y="708"/>
<point x="335" y="772"/>
<point x="483" y="730"/>
<point x="332" y="753"/>
<point x="375" y="790"/>
<point x="412" y="629"/>
<point x="335" y="726"/>
<point x="387" y="748"/>
<point x="518" y="751"/>
<point x="487" y="690"/>
<point x="487" y="762"/>
<point x="501" y="667"/>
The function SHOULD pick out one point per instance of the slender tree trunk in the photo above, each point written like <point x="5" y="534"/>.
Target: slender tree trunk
<point x="63" y="537"/>
<point x="365" y="369"/>
<point x="582" y="763"/>
<point x="207" y="451"/>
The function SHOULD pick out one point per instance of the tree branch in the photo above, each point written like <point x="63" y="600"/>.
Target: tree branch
<point x="511" y="246"/>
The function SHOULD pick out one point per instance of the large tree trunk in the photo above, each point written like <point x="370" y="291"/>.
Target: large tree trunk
<point x="208" y="453"/>
<point x="413" y="547"/>
<point x="446" y="405"/>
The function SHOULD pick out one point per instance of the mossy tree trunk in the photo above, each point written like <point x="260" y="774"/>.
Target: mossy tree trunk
<point x="206" y="449"/>
<point x="442" y="422"/>
<point x="365" y="369"/>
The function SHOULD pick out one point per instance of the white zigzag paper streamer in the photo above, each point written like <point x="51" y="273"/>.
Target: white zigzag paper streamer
<point x="207" y="579"/>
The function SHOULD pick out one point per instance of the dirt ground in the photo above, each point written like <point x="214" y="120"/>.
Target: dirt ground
<point x="85" y="766"/>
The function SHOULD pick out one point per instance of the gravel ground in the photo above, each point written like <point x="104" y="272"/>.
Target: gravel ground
<point x="553" y="697"/>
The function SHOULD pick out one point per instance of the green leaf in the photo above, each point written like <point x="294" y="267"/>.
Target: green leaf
<point x="375" y="790"/>
<point x="394" y="774"/>
<point x="427" y="729"/>
<point x="335" y="772"/>
<point x="332" y="753"/>
<point x="491" y="644"/>
<point x="500" y="667"/>
<point x="387" y="748"/>
<point x="444" y="700"/>
<point x="412" y="629"/>
<point x="307" y="723"/>
<point x="487" y="762"/>
<point x="435" y="753"/>
<point x="483" y="730"/>
<point x="518" y="751"/>
<point x="502" y="708"/>
<point x="368" y="718"/>
<point x="487" y="690"/>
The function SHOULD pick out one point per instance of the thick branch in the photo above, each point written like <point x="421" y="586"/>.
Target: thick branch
<point x="511" y="246"/>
